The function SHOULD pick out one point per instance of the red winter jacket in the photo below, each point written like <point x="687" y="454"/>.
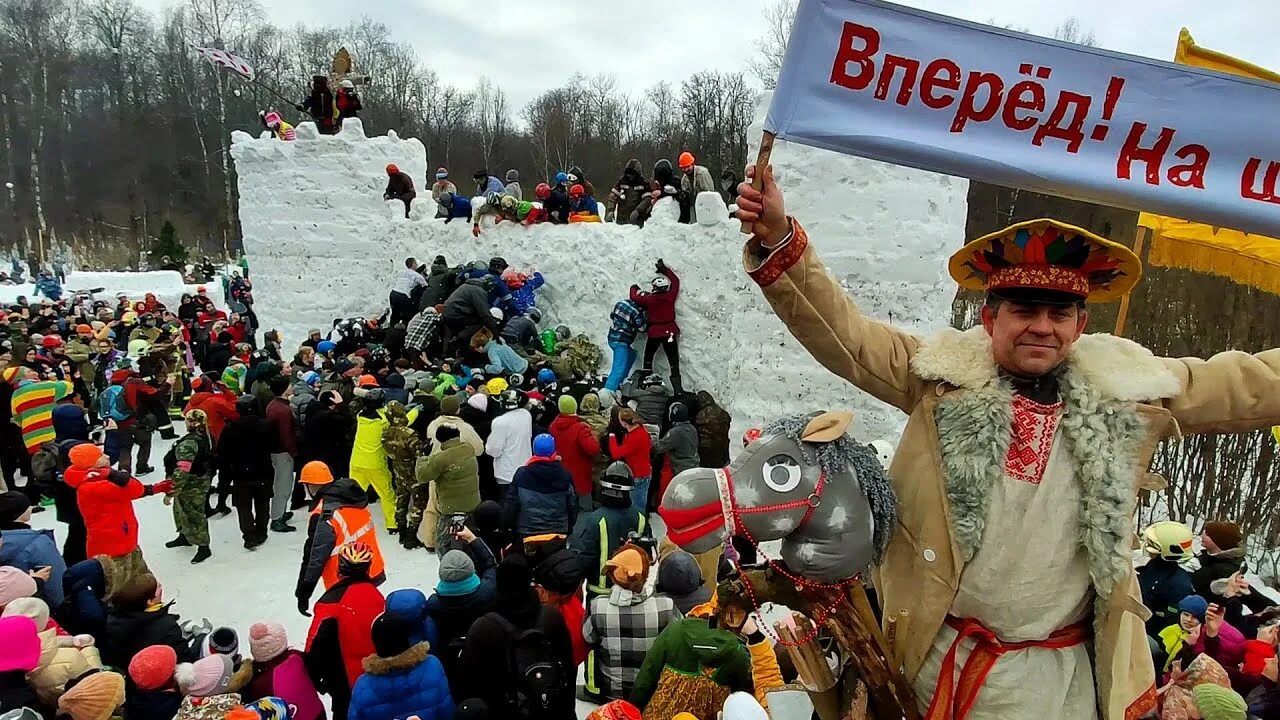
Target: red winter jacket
<point x="577" y="447"/>
<point x="634" y="450"/>
<point x="111" y="527"/>
<point x="660" y="307"/>
<point x="220" y="407"/>
<point x="348" y="609"/>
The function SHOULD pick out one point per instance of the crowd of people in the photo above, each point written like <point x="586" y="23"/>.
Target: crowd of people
<point x="1213" y="636"/>
<point x="485" y="438"/>
<point x="566" y="197"/>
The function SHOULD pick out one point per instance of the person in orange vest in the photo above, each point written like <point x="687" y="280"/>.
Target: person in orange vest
<point x="339" y="517"/>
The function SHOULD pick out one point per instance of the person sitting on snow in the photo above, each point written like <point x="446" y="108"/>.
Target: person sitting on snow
<point x="280" y="129"/>
<point x="399" y="187"/>
<point x="556" y="201"/>
<point x="582" y="207"/>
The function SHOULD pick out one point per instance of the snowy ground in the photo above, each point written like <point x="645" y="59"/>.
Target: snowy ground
<point x="167" y="285"/>
<point x="237" y="587"/>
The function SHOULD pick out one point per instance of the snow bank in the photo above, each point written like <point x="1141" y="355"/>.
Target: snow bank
<point x="167" y="285"/>
<point x="324" y="245"/>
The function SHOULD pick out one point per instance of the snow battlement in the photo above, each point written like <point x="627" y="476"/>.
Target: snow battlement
<point x="323" y="244"/>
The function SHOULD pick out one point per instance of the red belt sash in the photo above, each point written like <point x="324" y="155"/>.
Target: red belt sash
<point x="952" y="700"/>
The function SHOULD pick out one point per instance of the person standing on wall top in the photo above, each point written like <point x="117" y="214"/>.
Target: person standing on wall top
<point x="1019" y="466"/>
<point x="694" y="179"/>
<point x="399" y="187"/>
<point x="348" y="101"/>
<point x="513" y="185"/>
<point x="440" y="188"/>
<point x="486" y="183"/>
<point x="321" y="106"/>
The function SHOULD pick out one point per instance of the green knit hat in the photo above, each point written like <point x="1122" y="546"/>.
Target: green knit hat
<point x="1218" y="703"/>
<point x="568" y="406"/>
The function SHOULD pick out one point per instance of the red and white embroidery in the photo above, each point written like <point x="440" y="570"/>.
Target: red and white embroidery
<point x="1034" y="426"/>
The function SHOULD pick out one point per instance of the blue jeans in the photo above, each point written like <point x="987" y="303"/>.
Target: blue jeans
<point x="640" y="495"/>
<point x="624" y="358"/>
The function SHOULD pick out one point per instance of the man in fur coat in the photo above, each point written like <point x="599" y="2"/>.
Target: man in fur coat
<point x="1018" y="469"/>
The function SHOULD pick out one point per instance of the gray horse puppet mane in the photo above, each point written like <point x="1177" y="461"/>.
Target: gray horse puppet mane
<point x="845" y="453"/>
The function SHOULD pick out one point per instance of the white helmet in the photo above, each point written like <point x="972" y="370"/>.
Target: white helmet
<point x="884" y="451"/>
<point x="661" y="282"/>
<point x="347" y="84"/>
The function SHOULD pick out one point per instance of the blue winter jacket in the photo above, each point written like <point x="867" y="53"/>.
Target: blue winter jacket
<point x="587" y="204"/>
<point x="503" y="359"/>
<point x="85" y="585"/>
<point x="523" y="298"/>
<point x="461" y="208"/>
<point x="28" y="549"/>
<point x="411" y="683"/>
<point x="541" y="499"/>
<point x="410" y="604"/>
<point x="49" y="287"/>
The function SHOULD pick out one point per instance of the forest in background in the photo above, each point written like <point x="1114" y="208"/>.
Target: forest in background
<point x="112" y="125"/>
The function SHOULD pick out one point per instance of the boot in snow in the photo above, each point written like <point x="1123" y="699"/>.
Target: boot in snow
<point x="202" y="554"/>
<point x="178" y="542"/>
<point x="280" y="526"/>
<point x="410" y="541"/>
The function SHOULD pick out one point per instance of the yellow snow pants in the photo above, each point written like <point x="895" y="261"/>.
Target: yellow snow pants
<point x="380" y="478"/>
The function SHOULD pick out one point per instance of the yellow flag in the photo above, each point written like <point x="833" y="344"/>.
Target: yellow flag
<point x="1252" y="260"/>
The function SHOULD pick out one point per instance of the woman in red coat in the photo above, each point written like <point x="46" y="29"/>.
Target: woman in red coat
<point x="664" y="333"/>
<point x="634" y="448"/>
<point x="105" y="498"/>
<point x="578" y="448"/>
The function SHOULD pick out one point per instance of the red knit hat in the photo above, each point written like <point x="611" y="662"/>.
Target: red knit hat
<point x="1256" y="655"/>
<point x="153" y="667"/>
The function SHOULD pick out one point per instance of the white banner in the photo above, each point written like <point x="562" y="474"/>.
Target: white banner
<point x="233" y="63"/>
<point x="908" y="87"/>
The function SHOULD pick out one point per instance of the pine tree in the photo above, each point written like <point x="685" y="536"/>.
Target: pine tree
<point x="167" y="245"/>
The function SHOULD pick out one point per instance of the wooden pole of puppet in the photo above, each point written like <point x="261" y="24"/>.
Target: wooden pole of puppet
<point x="849" y="619"/>
<point x="1122" y="316"/>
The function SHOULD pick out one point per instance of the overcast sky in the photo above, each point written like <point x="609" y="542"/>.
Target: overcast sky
<point x="642" y="42"/>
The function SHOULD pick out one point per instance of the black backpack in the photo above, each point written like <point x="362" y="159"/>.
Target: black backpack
<point x="539" y="678"/>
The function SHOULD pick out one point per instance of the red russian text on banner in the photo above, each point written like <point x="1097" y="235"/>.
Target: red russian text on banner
<point x="904" y="86"/>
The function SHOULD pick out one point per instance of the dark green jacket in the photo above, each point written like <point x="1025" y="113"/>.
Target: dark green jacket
<point x="455" y="475"/>
<point x="689" y="647"/>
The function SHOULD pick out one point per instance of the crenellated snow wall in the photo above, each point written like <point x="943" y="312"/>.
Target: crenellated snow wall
<point x="323" y="245"/>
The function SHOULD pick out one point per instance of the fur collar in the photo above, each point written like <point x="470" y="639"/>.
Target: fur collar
<point x="407" y="660"/>
<point x="1114" y="367"/>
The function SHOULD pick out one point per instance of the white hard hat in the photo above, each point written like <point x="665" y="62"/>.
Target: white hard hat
<point x="884" y="451"/>
<point x="347" y="84"/>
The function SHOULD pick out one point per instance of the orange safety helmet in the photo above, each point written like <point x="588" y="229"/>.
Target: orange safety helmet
<point x="367" y="381"/>
<point x="316" y="473"/>
<point x="686" y="160"/>
<point x="392" y="169"/>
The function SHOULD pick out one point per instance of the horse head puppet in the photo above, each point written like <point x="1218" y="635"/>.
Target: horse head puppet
<point x="803" y="481"/>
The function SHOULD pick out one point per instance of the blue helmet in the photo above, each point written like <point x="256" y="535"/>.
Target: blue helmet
<point x="562" y="178"/>
<point x="324" y="347"/>
<point x="546" y="376"/>
<point x="544" y="446"/>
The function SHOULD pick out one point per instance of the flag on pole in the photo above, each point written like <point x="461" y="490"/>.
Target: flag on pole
<point x="233" y="63"/>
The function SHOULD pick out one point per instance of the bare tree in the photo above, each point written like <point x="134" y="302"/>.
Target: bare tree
<point x="493" y="120"/>
<point x="779" y="16"/>
<point x="1070" y="30"/>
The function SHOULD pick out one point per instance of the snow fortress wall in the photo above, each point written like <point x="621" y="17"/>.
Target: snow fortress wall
<point x="323" y="245"/>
